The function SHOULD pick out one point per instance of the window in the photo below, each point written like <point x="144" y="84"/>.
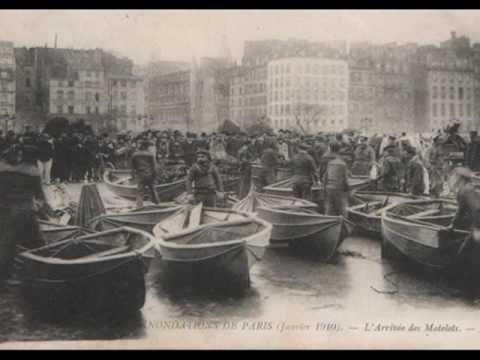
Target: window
<point x="443" y="92"/>
<point x="97" y="97"/>
<point x="71" y="83"/>
<point x="60" y="94"/>
<point x="124" y="83"/>
<point x="460" y="110"/>
<point x="452" y="93"/>
<point x="71" y="95"/>
<point x="452" y="110"/>
<point x="114" y="83"/>
<point x="59" y="109"/>
<point x="123" y="95"/>
<point x="434" y="110"/>
<point x="469" y="110"/>
<point x="88" y="74"/>
<point x="442" y="109"/>
<point x="123" y="109"/>
<point x="28" y="82"/>
<point x="70" y="109"/>
<point x="96" y="110"/>
<point x="460" y="93"/>
<point x="89" y="110"/>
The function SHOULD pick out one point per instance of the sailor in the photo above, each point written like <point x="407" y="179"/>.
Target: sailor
<point x="245" y="157"/>
<point x="391" y="170"/>
<point x="203" y="182"/>
<point x="336" y="183"/>
<point x="364" y="157"/>
<point x="436" y="162"/>
<point x="304" y="173"/>
<point x="269" y="161"/>
<point x="144" y="170"/>
<point x="414" y="176"/>
<point x="20" y="194"/>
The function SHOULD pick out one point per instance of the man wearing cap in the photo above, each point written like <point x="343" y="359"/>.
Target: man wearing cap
<point x="336" y="183"/>
<point x="304" y="173"/>
<point x="144" y="170"/>
<point x="364" y="157"/>
<point x="189" y="149"/>
<point x="204" y="181"/>
<point x="435" y="163"/>
<point x="269" y="160"/>
<point x="391" y="169"/>
<point x="472" y="152"/>
<point x="414" y="177"/>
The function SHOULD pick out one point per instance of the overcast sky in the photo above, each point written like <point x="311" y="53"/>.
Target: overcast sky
<point x="182" y="34"/>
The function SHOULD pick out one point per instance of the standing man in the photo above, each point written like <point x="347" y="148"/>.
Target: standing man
<point x="304" y="173"/>
<point x="45" y="157"/>
<point x="364" y="157"/>
<point x="189" y="149"/>
<point x="391" y="170"/>
<point x="336" y="183"/>
<point x="472" y="152"/>
<point x="144" y="170"/>
<point x="204" y="181"/>
<point x="245" y="157"/>
<point x="436" y="163"/>
<point x="269" y="161"/>
<point x="414" y="181"/>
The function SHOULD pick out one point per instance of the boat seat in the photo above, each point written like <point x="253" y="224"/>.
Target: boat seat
<point x="425" y="213"/>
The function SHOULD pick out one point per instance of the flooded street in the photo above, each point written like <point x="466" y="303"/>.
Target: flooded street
<point x="357" y="285"/>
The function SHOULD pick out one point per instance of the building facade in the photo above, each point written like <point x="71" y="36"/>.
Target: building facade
<point x="7" y="84"/>
<point x="309" y="93"/>
<point x="361" y="95"/>
<point x="126" y="102"/>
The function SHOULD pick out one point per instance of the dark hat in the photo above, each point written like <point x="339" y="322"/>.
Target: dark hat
<point x="204" y="152"/>
<point x="304" y="146"/>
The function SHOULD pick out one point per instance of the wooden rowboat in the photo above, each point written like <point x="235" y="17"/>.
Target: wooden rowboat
<point x="367" y="214"/>
<point x="303" y="229"/>
<point x="254" y="199"/>
<point x="143" y="219"/>
<point x="120" y="183"/>
<point x="285" y="187"/>
<point x="52" y="233"/>
<point x="423" y="239"/>
<point x="213" y="256"/>
<point x="94" y="273"/>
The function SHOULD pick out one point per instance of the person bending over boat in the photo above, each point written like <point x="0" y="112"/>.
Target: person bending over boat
<point x="144" y="170"/>
<point x="204" y="181"/>
<point x="20" y="194"/>
<point x="336" y="183"/>
<point x="304" y="173"/>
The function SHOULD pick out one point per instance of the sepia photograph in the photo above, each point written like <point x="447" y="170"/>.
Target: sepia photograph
<point x="239" y="179"/>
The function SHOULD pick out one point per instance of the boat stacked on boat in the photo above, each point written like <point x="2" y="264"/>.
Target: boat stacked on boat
<point x="211" y="248"/>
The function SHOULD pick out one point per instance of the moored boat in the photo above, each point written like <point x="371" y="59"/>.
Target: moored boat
<point x="366" y="215"/>
<point x="255" y="199"/>
<point x="423" y="239"/>
<point x="121" y="183"/>
<point x="144" y="218"/>
<point x="213" y="256"/>
<point x="306" y="230"/>
<point x="285" y="187"/>
<point x="93" y="273"/>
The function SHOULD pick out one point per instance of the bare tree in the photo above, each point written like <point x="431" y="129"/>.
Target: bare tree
<point x="307" y="114"/>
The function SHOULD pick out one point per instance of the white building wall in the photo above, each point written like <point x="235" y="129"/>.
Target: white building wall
<point x="322" y="83"/>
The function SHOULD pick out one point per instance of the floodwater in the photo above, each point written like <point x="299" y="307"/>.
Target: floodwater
<point x="356" y="284"/>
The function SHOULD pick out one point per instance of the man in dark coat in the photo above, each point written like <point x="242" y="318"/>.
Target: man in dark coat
<point x="415" y="179"/>
<point x="144" y="170"/>
<point x="391" y="170"/>
<point x="336" y="183"/>
<point x="269" y="161"/>
<point x="472" y="152"/>
<point x="189" y="150"/>
<point x="203" y="181"/>
<point x="304" y="173"/>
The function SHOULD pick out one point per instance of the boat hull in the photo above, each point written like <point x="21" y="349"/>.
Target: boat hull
<point x="113" y="286"/>
<point x="366" y="223"/>
<point x="319" y="236"/>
